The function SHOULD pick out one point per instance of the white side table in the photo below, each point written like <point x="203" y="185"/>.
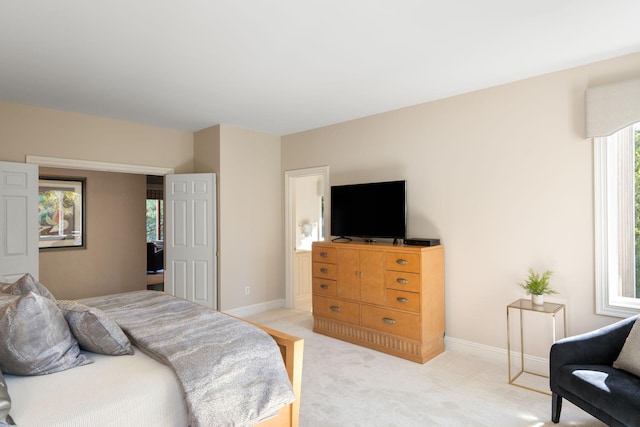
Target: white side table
<point x="549" y="309"/>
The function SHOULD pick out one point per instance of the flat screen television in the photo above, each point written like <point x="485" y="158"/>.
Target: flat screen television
<point x="369" y="211"/>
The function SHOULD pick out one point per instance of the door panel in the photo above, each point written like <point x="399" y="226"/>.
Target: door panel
<point x="190" y="245"/>
<point x="372" y="288"/>
<point x="176" y="277"/>
<point x="348" y="274"/>
<point x="200" y="271"/>
<point x="18" y="220"/>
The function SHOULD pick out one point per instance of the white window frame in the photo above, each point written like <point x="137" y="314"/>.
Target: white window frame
<point x="610" y="278"/>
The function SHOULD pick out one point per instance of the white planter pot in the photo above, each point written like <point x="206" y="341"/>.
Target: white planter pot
<point x="537" y="299"/>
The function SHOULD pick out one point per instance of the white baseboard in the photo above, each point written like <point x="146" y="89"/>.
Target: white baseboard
<point x="535" y="364"/>
<point x="249" y="310"/>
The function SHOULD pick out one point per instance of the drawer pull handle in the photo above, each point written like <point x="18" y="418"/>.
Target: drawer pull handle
<point x="335" y="308"/>
<point x="323" y="286"/>
<point x="402" y="281"/>
<point x="324" y="255"/>
<point x="402" y="261"/>
<point x="388" y="320"/>
<point x="324" y="270"/>
<point x="402" y="300"/>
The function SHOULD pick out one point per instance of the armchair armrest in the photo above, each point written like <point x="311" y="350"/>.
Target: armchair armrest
<point x="599" y="347"/>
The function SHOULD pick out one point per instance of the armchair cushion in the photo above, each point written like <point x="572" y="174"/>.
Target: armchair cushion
<point x="606" y="389"/>
<point x="155" y="257"/>
<point x="629" y="358"/>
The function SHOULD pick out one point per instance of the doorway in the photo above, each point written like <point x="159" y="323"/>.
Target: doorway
<point x="306" y="207"/>
<point x="88" y="165"/>
<point x="155" y="232"/>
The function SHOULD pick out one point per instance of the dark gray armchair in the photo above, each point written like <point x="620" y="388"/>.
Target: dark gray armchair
<point x="581" y="371"/>
<point x="155" y="258"/>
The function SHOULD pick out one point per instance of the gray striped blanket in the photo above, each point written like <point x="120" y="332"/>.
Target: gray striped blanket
<point x="231" y="372"/>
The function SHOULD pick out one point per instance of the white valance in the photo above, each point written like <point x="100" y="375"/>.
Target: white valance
<point x="612" y="107"/>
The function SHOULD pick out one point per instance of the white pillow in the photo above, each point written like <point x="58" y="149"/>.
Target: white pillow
<point x="629" y="357"/>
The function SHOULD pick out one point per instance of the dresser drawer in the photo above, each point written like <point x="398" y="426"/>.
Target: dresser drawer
<point x="401" y="261"/>
<point x="409" y="301"/>
<point x="391" y="321"/>
<point x="403" y="281"/>
<point x="323" y="254"/>
<point x="324" y="287"/>
<point x="323" y="270"/>
<point x="336" y="309"/>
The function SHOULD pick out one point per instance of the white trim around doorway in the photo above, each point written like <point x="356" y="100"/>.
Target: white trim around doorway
<point x="289" y="226"/>
<point x="56" y="162"/>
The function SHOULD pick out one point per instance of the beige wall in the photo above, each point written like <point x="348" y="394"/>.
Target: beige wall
<point x="114" y="259"/>
<point x="41" y="132"/>
<point x="503" y="176"/>
<point x="206" y="150"/>
<point x="250" y="230"/>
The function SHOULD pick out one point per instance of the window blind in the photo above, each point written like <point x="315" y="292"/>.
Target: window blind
<point x="155" y="192"/>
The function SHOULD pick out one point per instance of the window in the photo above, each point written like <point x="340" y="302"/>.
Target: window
<point x="617" y="222"/>
<point x="155" y="220"/>
<point x="155" y="208"/>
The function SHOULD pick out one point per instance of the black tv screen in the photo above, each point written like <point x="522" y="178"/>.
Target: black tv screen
<point x="372" y="210"/>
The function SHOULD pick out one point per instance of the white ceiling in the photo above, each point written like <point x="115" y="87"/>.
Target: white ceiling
<point x="284" y="66"/>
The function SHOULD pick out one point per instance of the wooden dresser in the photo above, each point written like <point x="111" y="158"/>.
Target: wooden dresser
<point x="381" y="296"/>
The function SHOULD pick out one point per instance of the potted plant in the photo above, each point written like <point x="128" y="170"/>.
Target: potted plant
<point x="537" y="285"/>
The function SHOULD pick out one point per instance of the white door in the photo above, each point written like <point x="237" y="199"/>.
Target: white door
<point x="18" y="220"/>
<point x="190" y="243"/>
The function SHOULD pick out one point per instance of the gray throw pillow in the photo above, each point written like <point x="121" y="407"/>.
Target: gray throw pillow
<point x="629" y="357"/>
<point x="36" y="338"/>
<point x="5" y="403"/>
<point x="94" y="330"/>
<point x="26" y="284"/>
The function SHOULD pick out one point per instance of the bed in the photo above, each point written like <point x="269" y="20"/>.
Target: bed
<point x="231" y="373"/>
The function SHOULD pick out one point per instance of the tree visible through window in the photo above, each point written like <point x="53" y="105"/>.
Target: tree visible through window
<point x="617" y="220"/>
<point x="155" y="220"/>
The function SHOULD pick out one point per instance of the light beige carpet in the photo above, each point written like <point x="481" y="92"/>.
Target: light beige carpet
<point x="345" y="385"/>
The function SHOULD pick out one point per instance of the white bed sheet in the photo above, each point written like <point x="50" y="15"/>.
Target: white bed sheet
<point x="113" y="391"/>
